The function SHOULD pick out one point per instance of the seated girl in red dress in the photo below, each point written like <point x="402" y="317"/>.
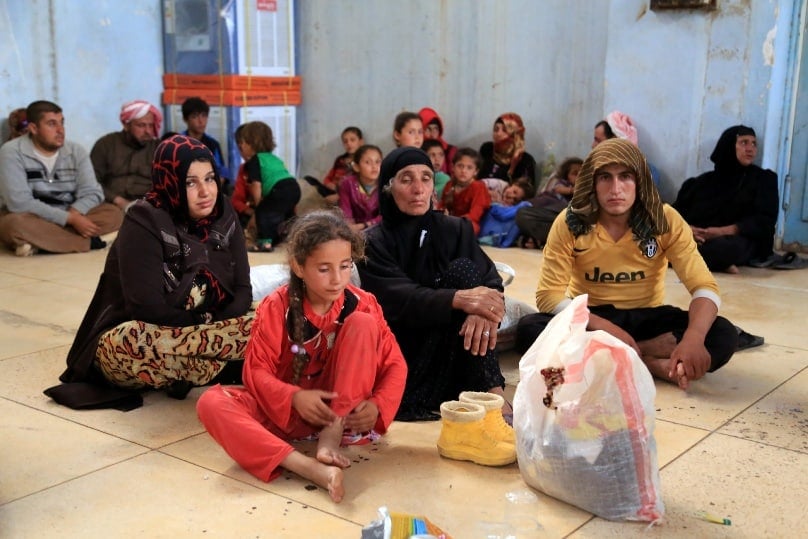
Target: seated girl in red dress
<point x="321" y="361"/>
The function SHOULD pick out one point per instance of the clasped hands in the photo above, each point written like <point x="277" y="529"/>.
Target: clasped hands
<point x="313" y="407"/>
<point x="485" y="308"/>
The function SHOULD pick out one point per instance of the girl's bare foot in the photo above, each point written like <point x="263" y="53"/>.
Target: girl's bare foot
<point x="323" y="475"/>
<point x="733" y="269"/>
<point x="332" y="457"/>
<point x="328" y="445"/>
<point x="334" y="484"/>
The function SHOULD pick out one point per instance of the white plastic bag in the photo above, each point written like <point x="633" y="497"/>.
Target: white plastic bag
<point x="584" y="426"/>
<point x="266" y="278"/>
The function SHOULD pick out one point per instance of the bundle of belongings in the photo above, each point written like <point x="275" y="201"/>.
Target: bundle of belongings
<point x="584" y="420"/>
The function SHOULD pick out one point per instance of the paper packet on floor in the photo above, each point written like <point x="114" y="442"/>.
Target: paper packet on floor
<point x="391" y="525"/>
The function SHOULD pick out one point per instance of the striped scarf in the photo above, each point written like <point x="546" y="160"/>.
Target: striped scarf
<point x="647" y="219"/>
<point x="509" y="151"/>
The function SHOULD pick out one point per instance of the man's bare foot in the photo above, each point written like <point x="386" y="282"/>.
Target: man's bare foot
<point x="661" y="346"/>
<point x="681" y="378"/>
<point x="733" y="269"/>
<point x="659" y="369"/>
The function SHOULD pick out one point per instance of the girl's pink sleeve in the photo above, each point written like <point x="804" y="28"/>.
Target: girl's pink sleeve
<point x="346" y="197"/>
<point x="263" y="365"/>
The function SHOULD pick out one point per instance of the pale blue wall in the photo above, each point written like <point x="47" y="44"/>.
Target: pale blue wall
<point x="363" y="62"/>
<point x="89" y="56"/>
<point x="685" y="76"/>
<point x="561" y="64"/>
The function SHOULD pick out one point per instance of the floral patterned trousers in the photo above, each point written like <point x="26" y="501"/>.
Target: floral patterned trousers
<point x="137" y="355"/>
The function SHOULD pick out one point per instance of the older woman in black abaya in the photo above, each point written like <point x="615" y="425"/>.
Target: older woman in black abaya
<point x="440" y="293"/>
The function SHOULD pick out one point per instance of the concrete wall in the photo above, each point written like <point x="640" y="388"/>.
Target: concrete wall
<point x="683" y="76"/>
<point x="89" y="56"/>
<point x="364" y="62"/>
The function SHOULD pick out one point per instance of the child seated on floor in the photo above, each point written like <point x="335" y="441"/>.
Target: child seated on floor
<point x="358" y="196"/>
<point x="562" y="183"/>
<point x="434" y="150"/>
<point x="321" y="361"/>
<point x="499" y="224"/>
<point x="464" y="196"/>
<point x="271" y="190"/>
<point x="535" y="221"/>
<point x="239" y="199"/>
<point x="352" y="139"/>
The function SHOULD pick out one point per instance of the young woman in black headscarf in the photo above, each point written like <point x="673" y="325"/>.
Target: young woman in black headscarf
<point x="440" y="293"/>
<point x="170" y="310"/>
<point x="733" y="209"/>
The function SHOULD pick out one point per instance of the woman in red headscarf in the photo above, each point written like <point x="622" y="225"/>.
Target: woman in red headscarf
<point x="505" y="157"/>
<point x="170" y="310"/>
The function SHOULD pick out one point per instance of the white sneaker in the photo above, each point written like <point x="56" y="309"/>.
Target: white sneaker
<point x="25" y="249"/>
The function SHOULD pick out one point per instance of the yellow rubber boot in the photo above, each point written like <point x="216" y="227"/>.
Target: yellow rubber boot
<point x="464" y="436"/>
<point x="494" y="422"/>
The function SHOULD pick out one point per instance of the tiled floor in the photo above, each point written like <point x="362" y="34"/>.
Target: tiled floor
<point x="735" y="445"/>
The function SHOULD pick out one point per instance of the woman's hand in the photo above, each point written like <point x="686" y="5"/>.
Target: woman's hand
<point x="711" y="232"/>
<point x="482" y="301"/>
<point x="699" y="234"/>
<point x="363" y="417"/>
<point x="312" y="406"/>
<point x="479" y="334"/>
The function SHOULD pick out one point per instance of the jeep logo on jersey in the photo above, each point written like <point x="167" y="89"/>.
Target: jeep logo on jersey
<point x="649" y="248"/>
<point x="608" y="277"/>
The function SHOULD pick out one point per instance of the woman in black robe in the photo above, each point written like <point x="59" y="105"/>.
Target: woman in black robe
<point x="440" y="293"/>
<point x="733" y="209"/>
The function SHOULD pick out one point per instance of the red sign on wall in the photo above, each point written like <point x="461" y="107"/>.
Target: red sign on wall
<point x="267" y="5"/>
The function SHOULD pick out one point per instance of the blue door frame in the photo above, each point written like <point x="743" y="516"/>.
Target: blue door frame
<point x="787" y="124"/>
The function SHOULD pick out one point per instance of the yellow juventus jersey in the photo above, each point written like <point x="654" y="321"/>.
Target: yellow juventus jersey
<point x="620" y="272"/>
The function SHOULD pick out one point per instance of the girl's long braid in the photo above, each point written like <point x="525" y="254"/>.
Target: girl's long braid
<point x="297" y="322"/>
<point x="307" y="233"/>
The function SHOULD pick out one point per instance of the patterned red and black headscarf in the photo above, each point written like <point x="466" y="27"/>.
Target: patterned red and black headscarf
<point x="172" y="158"/>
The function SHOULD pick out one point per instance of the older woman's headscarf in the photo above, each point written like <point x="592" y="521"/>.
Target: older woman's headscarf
<point x="134" y="110"/>
<point x="509" y="150"/>
<point x="172" y="158"/>
<point x="647" y="219"/>
<point x="395" y="161"/>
